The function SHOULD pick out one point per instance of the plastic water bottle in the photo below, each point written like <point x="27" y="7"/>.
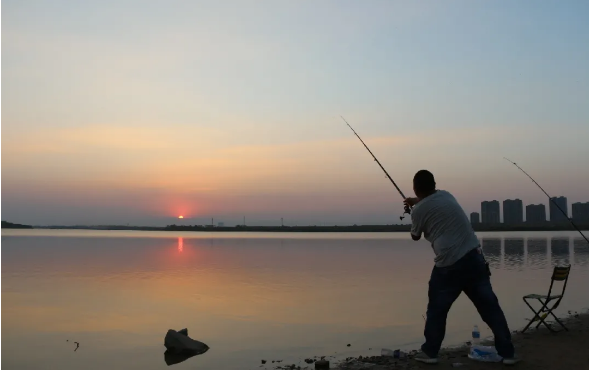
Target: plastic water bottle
<point x="476" y="335"/>
<point x="387" y="352"/>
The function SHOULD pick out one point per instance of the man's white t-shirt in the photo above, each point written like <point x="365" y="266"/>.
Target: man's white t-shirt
<point x="445" y="225"/>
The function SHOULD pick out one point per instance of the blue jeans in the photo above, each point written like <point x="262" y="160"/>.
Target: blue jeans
<point x="471" y="276"/>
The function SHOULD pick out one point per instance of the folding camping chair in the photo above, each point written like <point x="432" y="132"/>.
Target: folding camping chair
<point x="560" y="273"/>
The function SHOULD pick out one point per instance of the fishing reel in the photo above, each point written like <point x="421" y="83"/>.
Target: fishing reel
<point x="407" y="210"/>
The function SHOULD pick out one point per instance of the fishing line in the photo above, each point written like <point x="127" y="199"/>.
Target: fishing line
<point x="550" y="198"/>
<point x="407" y="208"/>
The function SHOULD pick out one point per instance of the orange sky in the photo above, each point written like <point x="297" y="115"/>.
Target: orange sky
<point x="111" y="120"/>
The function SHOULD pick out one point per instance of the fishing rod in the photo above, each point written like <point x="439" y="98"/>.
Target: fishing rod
<point x="550" y="198"/>
<point x="407" y="208"/>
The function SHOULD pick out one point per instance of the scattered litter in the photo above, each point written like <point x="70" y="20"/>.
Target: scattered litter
<point x="484" y="354"/>
<point x="354" y="364"/>
<point x="77" y="346"/>
<point x="387" y="352"/>
<point x="395" y="354"/>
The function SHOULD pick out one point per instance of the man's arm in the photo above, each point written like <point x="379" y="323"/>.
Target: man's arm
<point x="415" y="223"/>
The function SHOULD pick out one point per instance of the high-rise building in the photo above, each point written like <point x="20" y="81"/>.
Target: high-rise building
<point x="513" y="211"/>
<point x="490" y="212"/>
<point x="555" y="214"/>
<point x="535" y="213"/>
<point x="581" y="212"/>
<point x="474" y="218"/>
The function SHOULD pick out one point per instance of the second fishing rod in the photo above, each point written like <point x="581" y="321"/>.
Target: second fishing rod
<point x="407" y="209"/>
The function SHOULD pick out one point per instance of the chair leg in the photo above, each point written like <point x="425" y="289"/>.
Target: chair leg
<point x="545" y="324"/>
<point x="547" y="311"/>
<point x="536" y="315"/>
<point x="558" y="321"/>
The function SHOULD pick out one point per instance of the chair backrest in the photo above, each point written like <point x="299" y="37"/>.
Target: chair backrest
<point x="560" y="273"/>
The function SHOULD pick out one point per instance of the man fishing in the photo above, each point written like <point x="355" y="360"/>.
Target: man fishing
<point x="459" y="267"/>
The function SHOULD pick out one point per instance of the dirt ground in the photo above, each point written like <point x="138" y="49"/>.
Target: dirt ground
<point x="538" y="349"/>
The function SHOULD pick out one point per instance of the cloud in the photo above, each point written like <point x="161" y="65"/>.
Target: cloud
<point x="186" y="157"/>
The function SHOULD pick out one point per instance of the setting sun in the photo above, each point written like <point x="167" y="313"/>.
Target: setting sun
<point x="180" y="216"/>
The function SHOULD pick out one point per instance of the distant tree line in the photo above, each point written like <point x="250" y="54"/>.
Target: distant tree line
<point x="309" y="228"/>
<point x="373" y="228"/>
<point x="10" y="225"/>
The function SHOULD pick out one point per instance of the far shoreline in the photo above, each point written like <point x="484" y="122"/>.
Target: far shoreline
<point x="316" y="229"/>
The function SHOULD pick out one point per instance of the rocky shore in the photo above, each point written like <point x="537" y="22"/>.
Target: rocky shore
<point x="538" y="348"/>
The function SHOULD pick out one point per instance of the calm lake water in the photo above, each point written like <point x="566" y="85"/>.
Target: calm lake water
<point x="249" y="296"/>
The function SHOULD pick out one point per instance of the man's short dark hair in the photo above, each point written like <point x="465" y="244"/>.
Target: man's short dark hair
<point x="424" y="182"/>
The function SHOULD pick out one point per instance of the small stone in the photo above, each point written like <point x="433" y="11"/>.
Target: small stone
<point x="263" y="362"/>
<point x="321" y="365"/>
<point x="349" y="344"/>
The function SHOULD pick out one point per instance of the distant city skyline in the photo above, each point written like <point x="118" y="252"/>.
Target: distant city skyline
<point x="513" y="211"/>
<point x="580" y="211"/>
<point x="556" y="205"/>
<point x="536" y="213"/>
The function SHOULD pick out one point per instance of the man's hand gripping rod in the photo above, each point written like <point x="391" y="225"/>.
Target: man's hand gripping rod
<point x="407" y="208"/>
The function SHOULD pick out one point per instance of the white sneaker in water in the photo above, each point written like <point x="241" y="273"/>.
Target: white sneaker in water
<point x="422" y="357"/>
<point x="512" y="360"/>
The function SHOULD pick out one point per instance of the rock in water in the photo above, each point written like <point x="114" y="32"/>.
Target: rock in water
<point x="172" y="358"/>
<point x="181" y="347"/>
<point x="181" y="342"/>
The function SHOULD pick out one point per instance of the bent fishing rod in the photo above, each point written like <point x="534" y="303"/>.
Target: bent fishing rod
<point x="550" y="198"/>
<point x="407" y="208"/>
